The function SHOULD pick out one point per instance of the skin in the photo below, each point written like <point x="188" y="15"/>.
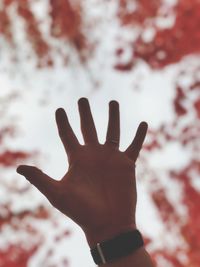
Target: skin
<point x="98" y="191"/>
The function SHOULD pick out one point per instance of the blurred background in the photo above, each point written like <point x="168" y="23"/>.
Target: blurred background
<point x="143" y="53"/>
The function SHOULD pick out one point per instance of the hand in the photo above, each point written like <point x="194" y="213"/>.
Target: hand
<point x="98" y="192"/>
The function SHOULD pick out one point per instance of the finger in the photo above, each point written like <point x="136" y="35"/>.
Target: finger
<point x="87" y="123"/>
<point x="134" y="149"/>
<point x="40" y="180"/>
<point x="66" y="133"/>
<point x="113" y="131"/>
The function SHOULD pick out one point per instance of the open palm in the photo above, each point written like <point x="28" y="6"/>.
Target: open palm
<point x="98" y="192"/>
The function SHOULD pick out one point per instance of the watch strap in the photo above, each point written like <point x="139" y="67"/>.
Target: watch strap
<point x="119" y="246"/>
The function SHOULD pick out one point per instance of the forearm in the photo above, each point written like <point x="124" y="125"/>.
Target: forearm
<point x="139" y="258"/>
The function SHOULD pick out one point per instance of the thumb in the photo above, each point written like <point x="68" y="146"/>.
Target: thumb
<point x="45" y="184"/>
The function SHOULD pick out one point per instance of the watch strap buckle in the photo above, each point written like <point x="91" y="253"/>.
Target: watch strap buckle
<point x="101" y="253"/>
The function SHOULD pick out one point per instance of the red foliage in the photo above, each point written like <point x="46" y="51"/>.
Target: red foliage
<point x="16" y="255"/>
<point x="197" y="107"/>
<point x="4" y="132"/>
<point x="178" y="102"/>
<point x="188" y="226"/>
<point x="138" y="11"/>
<point x="167" y="210"/>
<point x="124" y="66"/>
<point x="38" y="42"/>
<point x="169" y="45"/>
<point x="9" y="158"/>
<point x="10" y="218"/>
<point x="67" y="22"/>
<point x="5" y="24"/>
<point x="185" y="228"/>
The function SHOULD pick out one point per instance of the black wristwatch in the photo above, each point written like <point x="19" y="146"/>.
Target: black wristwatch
<point x="119" y="246"/>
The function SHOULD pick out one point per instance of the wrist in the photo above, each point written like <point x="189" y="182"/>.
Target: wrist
<point x="99" y="235"/>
